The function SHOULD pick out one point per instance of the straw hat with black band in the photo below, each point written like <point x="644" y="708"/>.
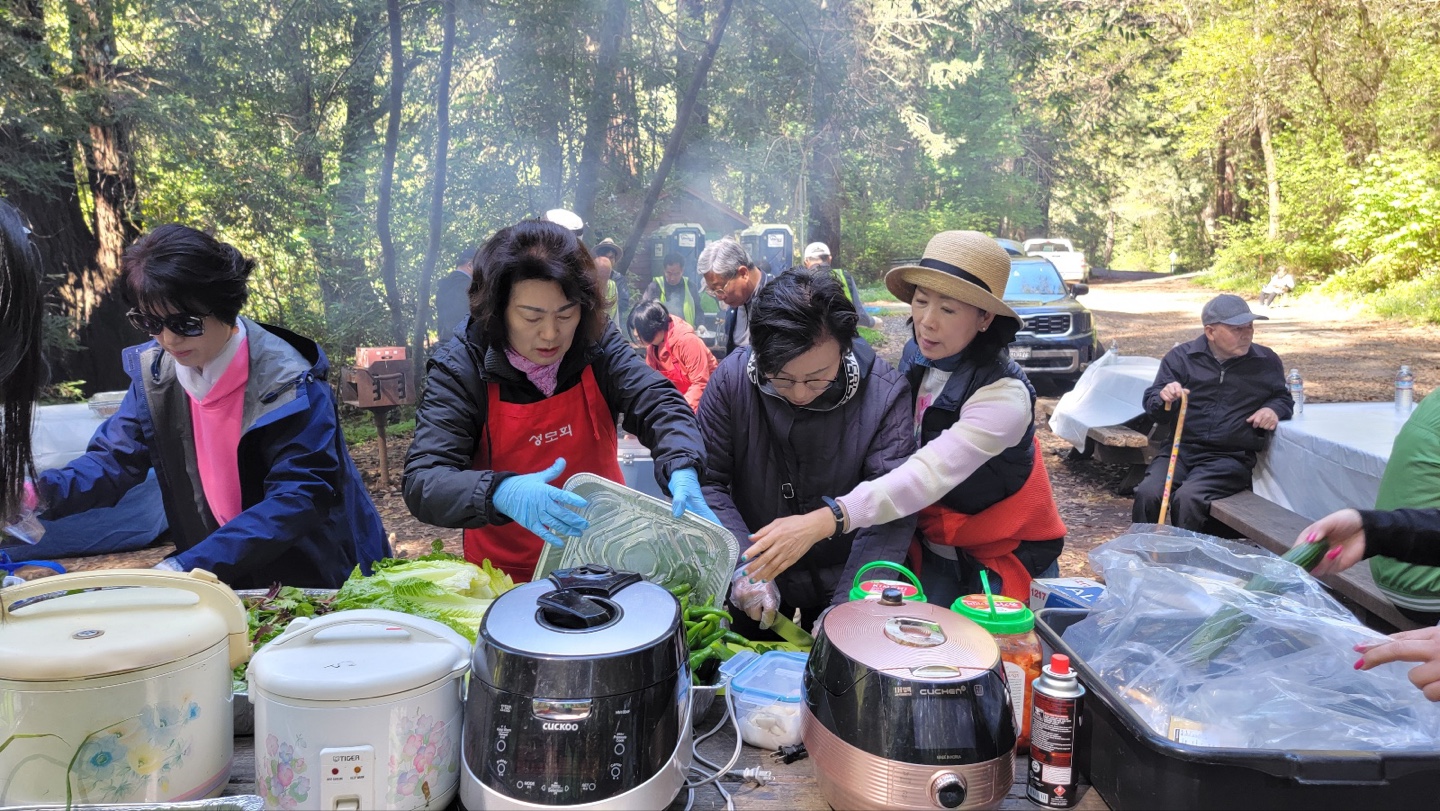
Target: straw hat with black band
<point x="964" y="265"/>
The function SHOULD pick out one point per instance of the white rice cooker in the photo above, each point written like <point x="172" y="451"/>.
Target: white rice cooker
<point x="580" y="696"/>
<point x="127" y="689"/>
<point x="359" y="710"/>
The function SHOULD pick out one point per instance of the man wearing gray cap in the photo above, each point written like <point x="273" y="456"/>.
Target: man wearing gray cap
<point x="1237" y="396"/>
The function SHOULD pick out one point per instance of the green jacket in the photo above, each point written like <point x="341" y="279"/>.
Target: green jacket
<point x="1412" y="479"/>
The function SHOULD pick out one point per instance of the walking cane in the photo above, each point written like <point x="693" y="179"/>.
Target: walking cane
<point x="1174" y="453"/>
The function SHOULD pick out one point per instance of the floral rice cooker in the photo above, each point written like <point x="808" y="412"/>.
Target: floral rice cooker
<point x="359" y="710"/>
<point x="117" y="683"/>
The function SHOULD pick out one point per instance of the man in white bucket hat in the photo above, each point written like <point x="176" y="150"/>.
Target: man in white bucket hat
<point x="977" y="482"/>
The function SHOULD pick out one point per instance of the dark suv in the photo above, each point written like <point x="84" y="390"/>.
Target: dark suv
<point x="1058" y="338"/>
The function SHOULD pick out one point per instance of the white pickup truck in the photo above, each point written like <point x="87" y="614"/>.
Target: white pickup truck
<point x="1062" y="254"/>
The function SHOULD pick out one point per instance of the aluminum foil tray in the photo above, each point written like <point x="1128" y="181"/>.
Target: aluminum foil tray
<point x="241" y="802"/>
<point x="243" y="709"/>
<point x="638" y="533"/>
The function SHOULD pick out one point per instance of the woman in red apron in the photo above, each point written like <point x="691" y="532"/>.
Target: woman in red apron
<point x="673" y="349"/>
<point x="528" y="395"/>
<point x="977" y="482"/>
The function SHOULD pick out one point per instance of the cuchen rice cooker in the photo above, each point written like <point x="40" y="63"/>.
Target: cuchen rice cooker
<point x="579" y="696"/>
<point x="115" y="687"/>
<point x="906" y="707"/>
<point x="359" y="710"/>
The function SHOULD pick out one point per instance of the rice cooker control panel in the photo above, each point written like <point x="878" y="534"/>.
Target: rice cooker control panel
<point x="553" y="751"/>
<point x="347" y="778"/>
<point x="948" y="791"/>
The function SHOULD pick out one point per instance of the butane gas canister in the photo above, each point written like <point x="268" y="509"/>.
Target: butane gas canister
<point x="1053" y="781"/>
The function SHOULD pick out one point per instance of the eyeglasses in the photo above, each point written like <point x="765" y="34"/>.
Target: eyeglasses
<point x="815" y="386"/>
<point x="718" y="290"/>
<point x="188" y="325"/>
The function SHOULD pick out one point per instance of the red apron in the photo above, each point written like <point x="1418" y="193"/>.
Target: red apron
<point x="992" y="535"/>
<point x="527" y="438"/>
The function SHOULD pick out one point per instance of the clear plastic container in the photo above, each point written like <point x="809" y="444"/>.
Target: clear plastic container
<point x="633" y="532"/>
<point x="767" y="698"/>
<point x="1013" y="625"/>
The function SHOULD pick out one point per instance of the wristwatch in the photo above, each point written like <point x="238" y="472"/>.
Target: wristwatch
<point x="839" y="515"/>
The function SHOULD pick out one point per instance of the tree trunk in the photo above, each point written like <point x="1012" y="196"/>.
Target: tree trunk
<point x="601" y="110"/>
<point x="437" y="192"/>
<point x="693" y="157"/>
<point x="677" y="136"/>
<point x="95" y="299"/>
<point x="387" y="175"/>
<point x="823" y="186"/>
<point x="1272" y="179"/>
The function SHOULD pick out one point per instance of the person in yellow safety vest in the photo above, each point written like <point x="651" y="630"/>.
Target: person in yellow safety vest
<point x="672" y="289"/>
<point x="606" y="252"/>
<point x="817" y="254"/>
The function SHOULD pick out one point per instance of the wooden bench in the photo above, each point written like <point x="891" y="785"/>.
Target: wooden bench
<point x="1275" y="528"/>
<point x="1119" y="445"/>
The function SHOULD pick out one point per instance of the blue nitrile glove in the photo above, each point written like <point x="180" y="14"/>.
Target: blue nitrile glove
<point x="685" y="494"/>
<point x="537" y="506"/>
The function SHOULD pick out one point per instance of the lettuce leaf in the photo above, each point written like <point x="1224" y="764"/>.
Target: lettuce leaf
<point x="438" y="586"/>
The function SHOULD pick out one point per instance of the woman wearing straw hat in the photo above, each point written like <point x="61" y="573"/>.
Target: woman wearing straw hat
<point x="977" y="482"/>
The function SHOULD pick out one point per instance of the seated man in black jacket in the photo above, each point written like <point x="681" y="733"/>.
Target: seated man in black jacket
<point x="1237" y="396"/>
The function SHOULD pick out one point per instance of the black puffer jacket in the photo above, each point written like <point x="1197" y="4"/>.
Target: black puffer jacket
<point x="756" y="442"/>
<point x="441" y="489"/>
<point x="1222" y="396"/>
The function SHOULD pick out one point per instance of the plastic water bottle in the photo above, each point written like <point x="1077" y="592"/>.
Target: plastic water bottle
<point x="1404" y="390"/>
<point x="1114" y="347"/>
<point x="1297" y="390"/>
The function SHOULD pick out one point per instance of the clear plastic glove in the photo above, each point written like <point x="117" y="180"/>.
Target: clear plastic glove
<point x="168" y="565"/>
<point x="759" y="601"/>
<point x="685" y="494"/>
<point x="549" y="512"/>
<point x="25" y="527"/>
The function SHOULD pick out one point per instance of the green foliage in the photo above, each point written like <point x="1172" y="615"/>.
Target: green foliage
<point x="361" y="428"/>
<point x="1247" y="260"/>
<point x="1391" y="225"/>
<point x="883" y="234"/>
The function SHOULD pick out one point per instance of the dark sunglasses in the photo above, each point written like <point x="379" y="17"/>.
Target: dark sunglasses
<point x="188" y="325"/>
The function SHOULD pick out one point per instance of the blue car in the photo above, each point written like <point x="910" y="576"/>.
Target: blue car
<point x="1058" y="338"/>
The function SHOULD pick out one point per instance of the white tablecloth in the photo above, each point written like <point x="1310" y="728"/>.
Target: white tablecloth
<point x="1330" y="456"/>
<point x="1110" y="392"/>
<point x="61" y="433"/>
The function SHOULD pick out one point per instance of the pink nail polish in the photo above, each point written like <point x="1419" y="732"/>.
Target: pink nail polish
<point x="1333" y="553"/>
<point x="1310" y="538"/>
<point x="1359" y="663"/>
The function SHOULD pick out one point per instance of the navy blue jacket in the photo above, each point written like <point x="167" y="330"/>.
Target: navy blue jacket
<point x="307" y="519"/>
<point x="1222" y="396"/>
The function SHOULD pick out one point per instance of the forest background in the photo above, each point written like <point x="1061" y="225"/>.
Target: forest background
<point x="356" y="147"/>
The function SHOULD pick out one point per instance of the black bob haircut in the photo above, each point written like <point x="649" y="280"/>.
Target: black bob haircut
<point x="648" y="319"/>
<point x="795" y="311"/>
<point x="533" y="250"/>
<point x="175" y="267"/>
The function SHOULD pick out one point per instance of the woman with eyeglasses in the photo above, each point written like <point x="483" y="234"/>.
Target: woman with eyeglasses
<point x="977" y="484"/>
<point x="238" y="422"/>
<point x="528" y="396"/>
<point x="22" y="369"/>
<point x="807" y="409"/>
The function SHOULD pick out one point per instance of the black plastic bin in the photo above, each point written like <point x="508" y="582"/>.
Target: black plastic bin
<point x="1133" y="767"/>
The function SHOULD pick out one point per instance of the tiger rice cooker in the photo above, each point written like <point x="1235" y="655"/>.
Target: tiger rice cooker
<point x="115" y="688"/>
<point x="906" y="707"/>
<point x="579" y="696"/>
<point x="359" y="710"/>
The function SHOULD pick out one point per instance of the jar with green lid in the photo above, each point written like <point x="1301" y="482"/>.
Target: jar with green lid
<point x="1013" y="625"/>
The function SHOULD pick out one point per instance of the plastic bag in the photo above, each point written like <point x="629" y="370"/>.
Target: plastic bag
<point x="1284" y="676"/>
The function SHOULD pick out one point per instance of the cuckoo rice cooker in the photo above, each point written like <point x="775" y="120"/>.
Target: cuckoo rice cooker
<point x="359" y="710"/>
<point x="579" y="696"/>
<point x="905" y="707"/>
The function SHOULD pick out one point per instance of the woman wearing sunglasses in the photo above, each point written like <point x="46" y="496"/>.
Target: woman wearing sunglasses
<point x="807" y="409"/>
<point x="21" y="367"/>
<point x="237" y="420"/>
<point x="529" y="395"/>
<point x="977" y="484"/>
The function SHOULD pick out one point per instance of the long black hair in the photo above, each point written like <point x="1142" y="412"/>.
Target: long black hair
<point x="22" y="368"/>
<point x="536" y="250"/>
<point x="648" y="319"/>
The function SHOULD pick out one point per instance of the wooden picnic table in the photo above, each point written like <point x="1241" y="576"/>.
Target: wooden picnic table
<point x="792" y="789"/>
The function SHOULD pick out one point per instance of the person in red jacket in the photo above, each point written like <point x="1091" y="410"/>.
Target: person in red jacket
<point x="673" y="349"/>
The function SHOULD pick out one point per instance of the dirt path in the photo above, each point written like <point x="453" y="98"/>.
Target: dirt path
<point x="1343" y="356"/>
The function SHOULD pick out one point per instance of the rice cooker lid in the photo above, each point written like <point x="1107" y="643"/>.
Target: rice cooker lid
<point x="560" y="629"/>
<point x="359" y="654"/>
<point x="910" y="639"/>
<point x="91" y="634"/>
